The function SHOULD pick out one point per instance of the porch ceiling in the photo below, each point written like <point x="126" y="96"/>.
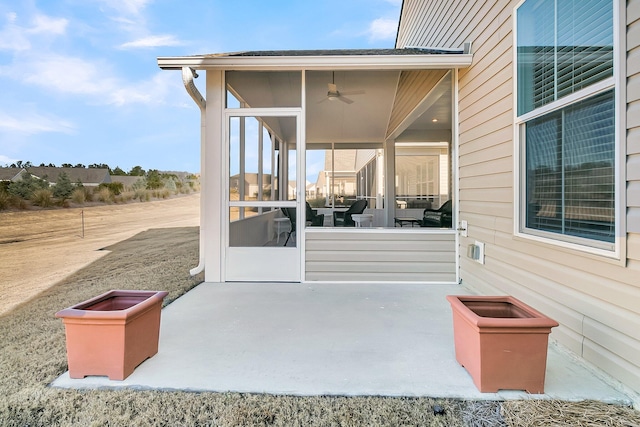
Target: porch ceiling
<point x="368" y="77"/>
<point x="364" y="120"/>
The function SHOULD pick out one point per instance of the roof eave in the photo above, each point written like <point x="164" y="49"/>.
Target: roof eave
<point x="345" y="62"/>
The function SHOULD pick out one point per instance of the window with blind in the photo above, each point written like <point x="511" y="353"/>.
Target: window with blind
<point x="566" y="116"/>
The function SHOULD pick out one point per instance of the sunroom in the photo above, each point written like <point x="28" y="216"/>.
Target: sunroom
<point x="328" y="165"/>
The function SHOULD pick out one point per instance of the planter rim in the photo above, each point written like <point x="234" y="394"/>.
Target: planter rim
<point x="536" y="321"/>
<point x="76" y="312"/>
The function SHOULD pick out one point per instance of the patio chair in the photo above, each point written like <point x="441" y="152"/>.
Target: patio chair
<point x="291" y="214"/>
<point x="344" y="219"/>
<point x="441" y="217"/>
<point x="313" y="218"/>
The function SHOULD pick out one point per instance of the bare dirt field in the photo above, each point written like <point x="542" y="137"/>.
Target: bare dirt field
<point x="39" y="248"/>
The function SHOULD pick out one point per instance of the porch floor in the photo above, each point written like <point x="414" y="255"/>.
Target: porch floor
<point x="327" y="339"/>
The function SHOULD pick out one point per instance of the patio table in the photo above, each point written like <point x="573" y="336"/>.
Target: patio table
<point x="406" y="220"/>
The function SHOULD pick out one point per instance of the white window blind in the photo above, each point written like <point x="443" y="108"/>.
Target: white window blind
<point x="563" y="46"/>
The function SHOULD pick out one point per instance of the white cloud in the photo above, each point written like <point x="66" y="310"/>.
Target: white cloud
<point x="48" y="25"/>
<point x="18" y="38"/>
<point x="126" y="7"/>
<point x="68" y="75"/>
<point x="34" y="123"/>
<point x="383" y="29"/>
<point x="152" y="41"/>
<point x="76" y="76"/>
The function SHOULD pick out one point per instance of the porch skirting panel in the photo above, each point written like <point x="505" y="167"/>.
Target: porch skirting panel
<point x="381" y="255"/>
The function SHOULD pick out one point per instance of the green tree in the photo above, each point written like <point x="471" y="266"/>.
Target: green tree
<point x="63" y="187"/>
<point x="154" y="180"/>
<point x="118" y="172"/>
<point x="136" y="171"/>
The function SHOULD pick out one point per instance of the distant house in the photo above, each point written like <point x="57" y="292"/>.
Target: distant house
<point x="89" y="177"/>
<point x="251" y="187"/>
<point x="11" y="174"/>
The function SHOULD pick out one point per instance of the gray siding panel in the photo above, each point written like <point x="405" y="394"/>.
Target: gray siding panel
<point x="595" y="298"/>
<point x="357" y="255"/>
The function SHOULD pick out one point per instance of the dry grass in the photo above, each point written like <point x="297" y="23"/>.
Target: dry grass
<point x="537" y="413"/>
<point x="33" y="354"/>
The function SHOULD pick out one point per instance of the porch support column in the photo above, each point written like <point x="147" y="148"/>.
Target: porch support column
<point x="260" y="161"/>
<point x="273" y="167"/>
<point x="390" y="181"/>
<point x="242" y="155"/>
<point x="380" y="186"/>
<point x="214" y="163"/>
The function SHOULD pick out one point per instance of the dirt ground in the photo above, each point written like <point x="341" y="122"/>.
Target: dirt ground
<point x="40" y="248"/>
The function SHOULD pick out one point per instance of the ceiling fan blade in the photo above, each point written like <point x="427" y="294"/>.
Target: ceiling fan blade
<point x="322" y="100"/>
<point x="345" y="100"/>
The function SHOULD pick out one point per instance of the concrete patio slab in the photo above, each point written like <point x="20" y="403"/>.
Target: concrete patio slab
<point x="327" y="339"/>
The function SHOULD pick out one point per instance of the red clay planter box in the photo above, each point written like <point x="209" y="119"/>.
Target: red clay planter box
<point x="112" y="333"/>
<point x="501" y="342"/>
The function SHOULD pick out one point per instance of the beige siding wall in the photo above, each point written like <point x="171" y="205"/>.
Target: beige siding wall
<point x="413" y="87"/>
<point x="596" y="299"/>
<point x="380" y="255"/>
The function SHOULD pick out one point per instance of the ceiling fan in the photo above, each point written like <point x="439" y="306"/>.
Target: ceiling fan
<point x="333" y="93"/>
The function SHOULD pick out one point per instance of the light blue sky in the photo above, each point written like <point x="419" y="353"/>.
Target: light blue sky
<point x="79" y="81"/>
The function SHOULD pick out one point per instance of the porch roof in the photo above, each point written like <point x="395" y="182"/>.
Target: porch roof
<point x="334" y="59"/>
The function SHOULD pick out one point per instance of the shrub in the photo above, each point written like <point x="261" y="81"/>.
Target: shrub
<point x="125" y="197"/>
<point x="18" y="202"/>
<point x="88" y="194"/>
<point x="161" y="193"/>
<point x="142" y="195"/>
<point x="79" y="196"/>
<point x="5" y="200"/>
<point x="169" y="184"/>
<point x="43" y="198"/>
<point x="115" y="187"/>
<point x="105" y="195"/>
<point x="26" y="186"/>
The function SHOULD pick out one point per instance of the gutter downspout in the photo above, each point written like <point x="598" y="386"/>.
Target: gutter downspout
<point x="188" y="74"/>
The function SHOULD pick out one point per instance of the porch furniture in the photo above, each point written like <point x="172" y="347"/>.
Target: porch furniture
<point x="441" y="217"/>
<point x="283" y="225"/>
<point x="401" y="221"/>
<point x="344" y="219"/>
<point x="362" y="220"/>
<point x="314" y="219"/>
<point x="290" y="213"/>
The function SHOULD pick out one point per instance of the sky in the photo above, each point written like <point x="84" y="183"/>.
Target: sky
<point x="79" y="80"/>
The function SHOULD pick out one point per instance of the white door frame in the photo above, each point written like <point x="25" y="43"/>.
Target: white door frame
<point x="267" y="264"/>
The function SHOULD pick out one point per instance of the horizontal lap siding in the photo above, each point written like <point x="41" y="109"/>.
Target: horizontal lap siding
<point x="633" y="119"/>
<point x="595" y="299"/>
<point x="413" y="87"/>
<point x="358" y="255"/>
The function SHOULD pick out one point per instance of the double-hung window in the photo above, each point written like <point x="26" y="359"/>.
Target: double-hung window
<point x="566" y="121"/>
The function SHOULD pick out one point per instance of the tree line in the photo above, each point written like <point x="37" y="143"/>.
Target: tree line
<point x="134" y="171"/>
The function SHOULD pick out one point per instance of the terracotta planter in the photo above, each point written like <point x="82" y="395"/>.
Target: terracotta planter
<point x="112" y="333"/>
<point x="501" y="342"/>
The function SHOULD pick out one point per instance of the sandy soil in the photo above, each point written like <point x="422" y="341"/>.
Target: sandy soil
<point x="40" y="248"/>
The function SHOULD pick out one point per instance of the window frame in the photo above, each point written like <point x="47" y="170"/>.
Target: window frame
<point x="616" y="83"/>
